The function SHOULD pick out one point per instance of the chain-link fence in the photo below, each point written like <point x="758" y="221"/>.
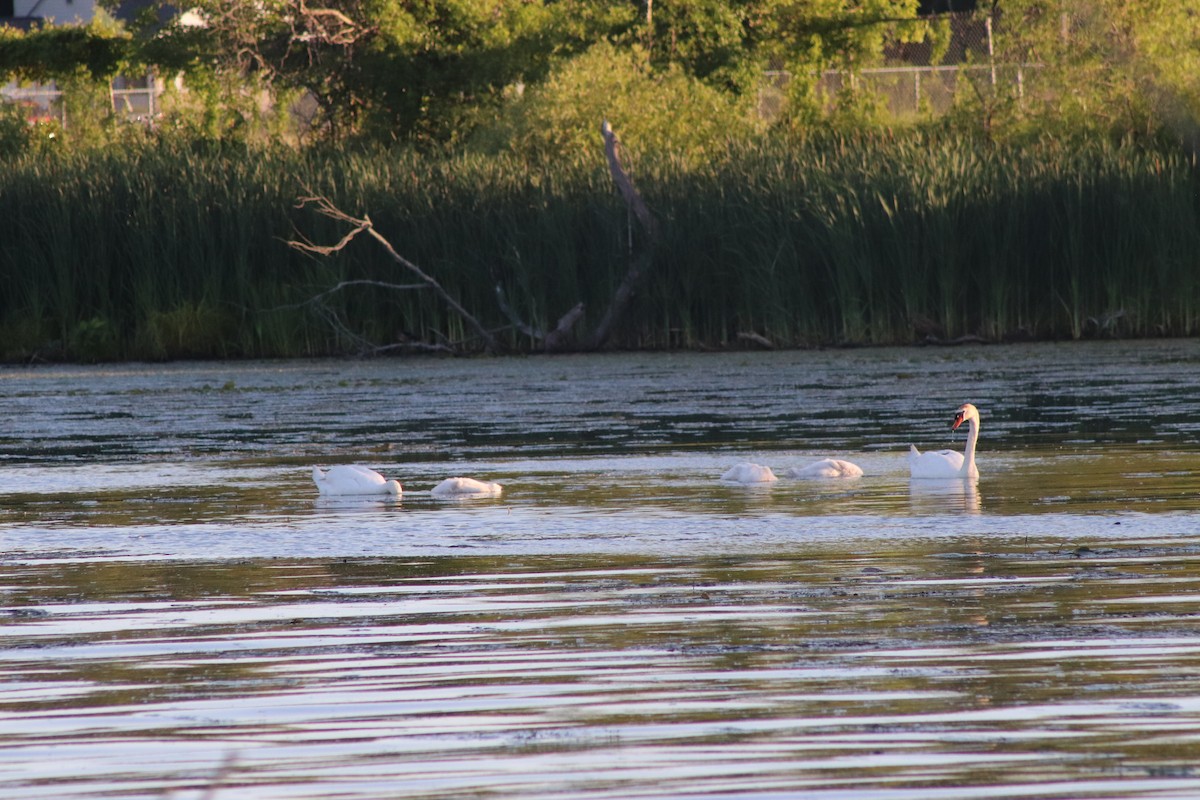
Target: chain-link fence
<point x="921" y="78"/>
<point x="911" y="91"/>
<point x="133" y="100"/>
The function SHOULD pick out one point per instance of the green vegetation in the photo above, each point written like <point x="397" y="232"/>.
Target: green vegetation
<point x="1066" y="205"/>
<point x="867" y="238"/>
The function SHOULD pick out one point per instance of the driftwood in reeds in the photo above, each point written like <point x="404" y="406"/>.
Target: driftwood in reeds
<point x="757" y="339"/>
<point x="640" y="262"/>
<point x="558" y="338"/>
<point x="552" y="340"/>
<point x="363" y="224"/>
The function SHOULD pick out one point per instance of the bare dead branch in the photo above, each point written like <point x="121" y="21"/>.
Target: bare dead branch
<point x="757" y="338"/>
<point x="334" y="320"/>
<point x="421" y="347"/>
<point x="551" y="341"/>
<point x="517" y="322"/>
<point x="365" y="347"/>
<point x="359" y="225"/>
<point x="394" y="287"/>
<point x="329" y="26"/>
<point x="325" y="250"/>
<point x="612" y="151"/>
<point x="319" y="299"/>
<point x="641" y="262"/>
<point x="555" y="338"/>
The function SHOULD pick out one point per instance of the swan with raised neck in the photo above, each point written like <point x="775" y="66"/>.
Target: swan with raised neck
<point x="949" y="463"/>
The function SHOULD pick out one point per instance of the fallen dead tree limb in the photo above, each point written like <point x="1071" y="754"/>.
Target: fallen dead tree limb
<point x="555" y="339"/>
<point x="756" y="338"/>
<point x="317" y="305"/>
<point x="551" y="340"/>
<point x="395" y="287"/>
<point x="641" y="262"/>
<point x="360" y="225"/>
<point x="364" y="345"/>
<point x="969" y="338"/>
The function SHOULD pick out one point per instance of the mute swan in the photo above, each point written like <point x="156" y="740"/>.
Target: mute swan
<point x="949" y="463"/>
<point x="466" y="487"/>
<point x="826" y="468"/>
<point x="749" y="473"/>
<point x="351" y="479"/>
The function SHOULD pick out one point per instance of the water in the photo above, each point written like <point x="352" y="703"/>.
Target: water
<point x="182" y="617"/>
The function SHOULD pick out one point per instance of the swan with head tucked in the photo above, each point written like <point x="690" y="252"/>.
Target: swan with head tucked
<point x="466" y="487"/>
<point x="949" y="463"/>
<point x="826" y="468"/>
<point x="749" y="473"/>
<point x="352" y="479"/>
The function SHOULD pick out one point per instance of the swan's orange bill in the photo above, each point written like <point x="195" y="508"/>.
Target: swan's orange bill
<point x="958" y="418"/>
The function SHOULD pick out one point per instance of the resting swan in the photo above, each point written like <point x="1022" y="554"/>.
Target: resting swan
<point x="351" y="479"/>
<point x="749" y="473"/>
<point x="826" y="468"/>
<point x="949" y="463"/>
<point x="466" y="487"/>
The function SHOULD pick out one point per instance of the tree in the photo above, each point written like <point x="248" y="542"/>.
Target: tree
<point x="97" y="50"/>
<point x="711" y="40"/>
<point x="388" y="68"/>
<point x="1106" y="65"/>
<point x="276" y="46"/>
<point x="431" y="72"/>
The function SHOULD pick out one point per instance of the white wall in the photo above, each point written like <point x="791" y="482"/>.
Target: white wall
<point x="57" y="11"/>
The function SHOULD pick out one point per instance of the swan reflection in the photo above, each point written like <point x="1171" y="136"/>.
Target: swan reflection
<point x="361" y="502"/>
<point x="951" y="494"/>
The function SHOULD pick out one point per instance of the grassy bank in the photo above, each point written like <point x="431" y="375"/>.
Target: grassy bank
<point x="870" y="239"/>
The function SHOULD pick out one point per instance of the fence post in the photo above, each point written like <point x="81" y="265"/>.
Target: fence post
<point x="991" y="52"/>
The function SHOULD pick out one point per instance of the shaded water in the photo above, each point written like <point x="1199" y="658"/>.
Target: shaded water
<point x="181" y="616"/>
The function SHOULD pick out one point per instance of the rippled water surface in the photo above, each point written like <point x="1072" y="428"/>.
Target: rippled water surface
<point x="182" y="617"/>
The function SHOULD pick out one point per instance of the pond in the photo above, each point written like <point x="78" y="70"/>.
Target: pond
<point x="182" y="616"/>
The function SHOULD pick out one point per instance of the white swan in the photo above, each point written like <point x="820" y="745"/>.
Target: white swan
<point x="826" y="468"/>
<point x="949" y="463"/>
<point x="466" y="487"/>
<point x="351" y="479"/>
<point x="749" y="473"/>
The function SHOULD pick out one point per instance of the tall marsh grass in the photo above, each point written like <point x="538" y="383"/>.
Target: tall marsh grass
<point x="177" y="252"/>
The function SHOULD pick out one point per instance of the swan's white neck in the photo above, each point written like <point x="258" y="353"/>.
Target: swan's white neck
<point x="969" y="469"/>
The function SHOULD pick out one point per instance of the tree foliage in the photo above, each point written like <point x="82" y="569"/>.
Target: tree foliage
<point x="390" y="68"/>
<point x="446" y="73"/>
<point x="431" y="71"/>
<point x="55" y="52"/>
<point x="1102" y="65"/>
<point x="664" y="110"/>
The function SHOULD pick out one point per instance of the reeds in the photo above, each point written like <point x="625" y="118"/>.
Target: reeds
<point x="866" y="239"/>
<point x="876" y="240"/>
